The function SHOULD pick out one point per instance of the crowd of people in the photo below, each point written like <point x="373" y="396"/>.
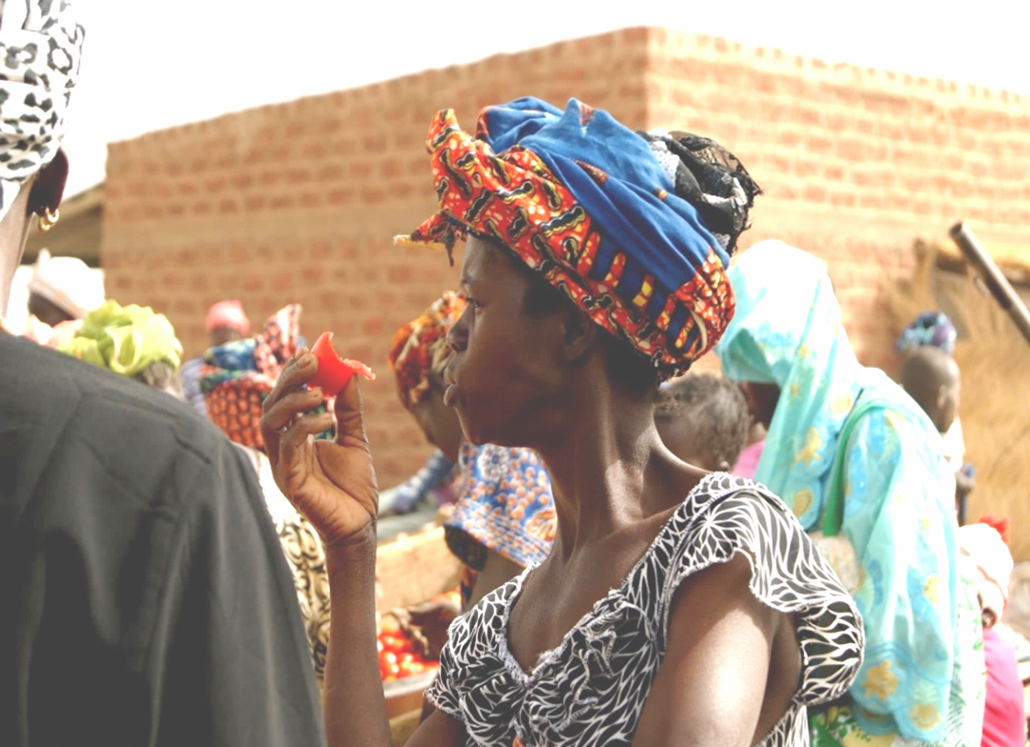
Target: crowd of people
<point x="768" y="556"/>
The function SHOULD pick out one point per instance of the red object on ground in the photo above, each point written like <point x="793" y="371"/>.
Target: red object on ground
<point x="333" y="371"/>
<point x="1000" y="523"/>
<point x="398" y="658"/>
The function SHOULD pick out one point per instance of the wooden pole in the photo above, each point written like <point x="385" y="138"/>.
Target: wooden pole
<point x="995" y="281"/>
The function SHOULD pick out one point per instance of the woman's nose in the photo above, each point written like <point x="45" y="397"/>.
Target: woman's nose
<point x="457" y="335"/>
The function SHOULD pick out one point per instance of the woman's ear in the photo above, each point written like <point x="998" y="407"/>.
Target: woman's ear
<point x="48" y="186"/>
<point x="580" y="333"/>
<point x="762" y="400"/>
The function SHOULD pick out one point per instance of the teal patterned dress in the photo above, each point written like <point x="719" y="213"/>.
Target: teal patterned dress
<point x="923" y="674"/>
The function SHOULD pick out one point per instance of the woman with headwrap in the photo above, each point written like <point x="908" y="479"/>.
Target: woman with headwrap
<point x="503" y="520"/>
<point x="225" y="322"/>
<point x="675" y="606"/>
<point x="850" y="452"/>
<point x="42" y="50"/>
<point x="131" y="341"/>
<point x="418" y="355"/>
<point x="235" y="377"/>
<point x="144" y="599"/>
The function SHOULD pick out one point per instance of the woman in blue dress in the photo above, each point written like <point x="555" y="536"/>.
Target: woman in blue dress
<point x="922" y="680"/>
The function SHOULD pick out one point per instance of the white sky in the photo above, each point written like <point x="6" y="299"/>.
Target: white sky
<point x="149" y="64"/>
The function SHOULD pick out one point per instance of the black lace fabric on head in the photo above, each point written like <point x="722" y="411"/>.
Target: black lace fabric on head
<point x="711" y="179"/>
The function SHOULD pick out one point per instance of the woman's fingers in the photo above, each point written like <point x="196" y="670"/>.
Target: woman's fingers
<point x="282" y="413"/>
<point x="295" y="438"/>
<point x="275" y="418"/>
<point x="294" y="375"/>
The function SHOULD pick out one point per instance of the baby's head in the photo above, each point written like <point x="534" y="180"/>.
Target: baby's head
<point x="703" y="420"/>
<point x="933" y="379"/>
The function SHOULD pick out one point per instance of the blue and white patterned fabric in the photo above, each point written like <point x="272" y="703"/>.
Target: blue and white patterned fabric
<point x="920" y="676"/>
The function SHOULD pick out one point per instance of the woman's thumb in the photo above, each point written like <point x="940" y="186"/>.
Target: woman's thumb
<point x="350" y="421"/>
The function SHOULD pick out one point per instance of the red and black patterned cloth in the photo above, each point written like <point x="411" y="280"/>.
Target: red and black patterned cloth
<point x="634" y="228"/>
<point x="419" y="350"/>
<point x="236" y="377"/>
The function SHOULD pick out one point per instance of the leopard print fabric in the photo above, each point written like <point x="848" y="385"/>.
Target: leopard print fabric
<point x="591" y="690"/>
<point x="40" y="47"/>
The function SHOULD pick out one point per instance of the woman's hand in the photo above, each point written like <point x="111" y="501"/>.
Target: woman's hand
<point x="332" y="484"/>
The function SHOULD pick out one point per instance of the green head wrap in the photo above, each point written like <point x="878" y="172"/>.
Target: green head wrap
<point x="125" y="340"/>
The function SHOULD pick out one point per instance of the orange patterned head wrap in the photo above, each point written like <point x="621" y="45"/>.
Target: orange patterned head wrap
<point x="419" y="349"/>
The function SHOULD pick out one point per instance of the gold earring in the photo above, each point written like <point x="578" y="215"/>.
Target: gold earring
<point x="48" y="220"/>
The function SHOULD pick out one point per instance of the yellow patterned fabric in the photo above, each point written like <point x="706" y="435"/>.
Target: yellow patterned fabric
<point x="305" y="556"/>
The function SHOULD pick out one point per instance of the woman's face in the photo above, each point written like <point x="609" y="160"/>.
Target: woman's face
<point x="439" y="423"/>
<point x="506" y="370"/>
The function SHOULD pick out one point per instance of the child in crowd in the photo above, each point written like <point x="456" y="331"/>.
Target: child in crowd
<point x="933" y="380"/>
<point x="703" y="420"/>
<point x="1004" y="712"/>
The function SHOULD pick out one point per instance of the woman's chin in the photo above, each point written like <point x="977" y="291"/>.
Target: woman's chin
<point x="473" y="431"/>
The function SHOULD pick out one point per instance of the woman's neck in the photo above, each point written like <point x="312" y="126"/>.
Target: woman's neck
<point x="604" y="465"/>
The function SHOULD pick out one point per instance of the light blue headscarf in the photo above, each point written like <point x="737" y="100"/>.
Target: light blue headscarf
<point x="919" y="676"/>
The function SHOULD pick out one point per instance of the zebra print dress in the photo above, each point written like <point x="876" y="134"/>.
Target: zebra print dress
<point x="591" y="689"/>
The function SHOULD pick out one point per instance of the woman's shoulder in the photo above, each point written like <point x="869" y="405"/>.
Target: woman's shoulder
<point x="721" y="496"/>
<point x="723" y="515"/>
<point x="726" y="516"/>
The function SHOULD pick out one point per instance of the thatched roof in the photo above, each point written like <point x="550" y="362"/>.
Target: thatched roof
<point x="994" y="358"/>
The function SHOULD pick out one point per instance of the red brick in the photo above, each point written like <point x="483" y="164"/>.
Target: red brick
<point x="402" y="191"/>
<point x="361" y="169"/>
<point x="330" y="173"/>
<point x="252" y="281"/>
<point x="373" y="195"/>
<point x="311" y="198"/>
<point x="320" y="249"/>
<point x="312" y="274"/>
<point x="282" y="281"/>
<point x="341" y="197"/>
<point x="346" y="249"/>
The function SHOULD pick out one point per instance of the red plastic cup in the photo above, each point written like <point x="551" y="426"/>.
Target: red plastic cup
<point x="333" y="371"/>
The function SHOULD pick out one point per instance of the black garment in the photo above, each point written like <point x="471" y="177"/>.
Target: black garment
<point x="144" y="598"/>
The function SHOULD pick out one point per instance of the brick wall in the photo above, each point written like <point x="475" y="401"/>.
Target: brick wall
<point x="299" y="201"/>
<point x="855" y="162"/>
